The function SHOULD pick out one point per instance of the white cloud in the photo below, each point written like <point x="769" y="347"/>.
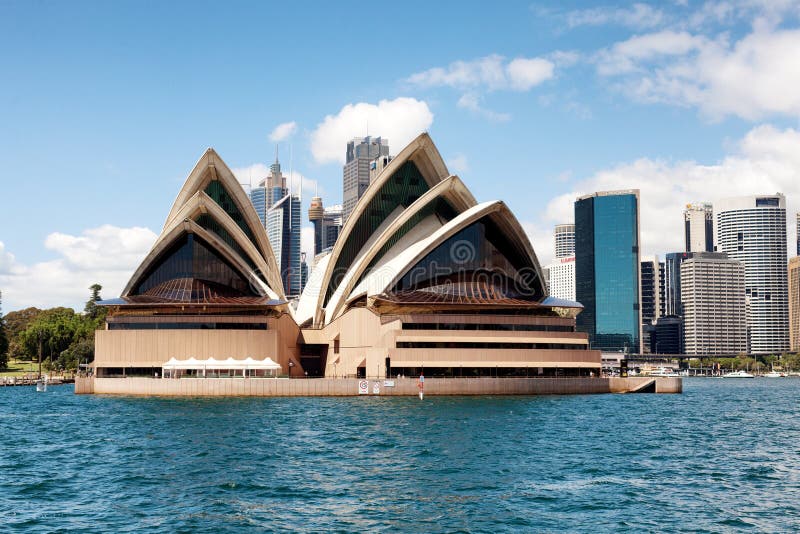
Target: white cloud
<point x="491" y="72"/>
<point x="458" y="164"/>
<point x="525" y="73"/>
<point x="638" y="16"/>
<point x="251" y="175"/>
<point x="472" y="102"/>
<point x="766" y="161"/>
<point x="756" y="12"/>
<point x="630" y="55"/>
<point x="310" y="187"/>
<point x="8" y="263"/>
<point x="398" y="120"/>
<point x="283" y="131"/>
<point x="754" y="77"/>
<point x="107" y="255"/>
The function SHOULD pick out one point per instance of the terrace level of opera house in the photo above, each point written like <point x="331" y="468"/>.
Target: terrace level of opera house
<point x="422" y="276"/>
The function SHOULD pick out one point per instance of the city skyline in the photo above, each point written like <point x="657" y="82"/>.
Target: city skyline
<point x="572" y="92"/>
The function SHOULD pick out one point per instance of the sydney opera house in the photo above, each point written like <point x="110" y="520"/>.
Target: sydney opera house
<point x="422" y="277"/>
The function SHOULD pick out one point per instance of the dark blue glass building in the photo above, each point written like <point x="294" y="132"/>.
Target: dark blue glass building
<point x="607" y="280"/>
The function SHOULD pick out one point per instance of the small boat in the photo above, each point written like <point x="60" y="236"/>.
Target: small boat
<point x="664" y="371"/>
<point x="738" y="374"/>
<point x="41" y="384"/>
<point x="773" y="374"/>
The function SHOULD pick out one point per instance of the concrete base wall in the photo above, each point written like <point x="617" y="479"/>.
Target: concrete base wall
<point x="327" y="387"/>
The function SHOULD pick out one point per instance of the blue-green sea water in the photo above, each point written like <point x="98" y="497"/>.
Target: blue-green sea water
<point x="723" y="456"/>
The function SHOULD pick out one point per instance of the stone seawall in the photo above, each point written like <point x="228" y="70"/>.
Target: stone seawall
<point x="341" y="387"/>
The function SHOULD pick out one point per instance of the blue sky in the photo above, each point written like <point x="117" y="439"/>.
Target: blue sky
<point x="106" y="106"/>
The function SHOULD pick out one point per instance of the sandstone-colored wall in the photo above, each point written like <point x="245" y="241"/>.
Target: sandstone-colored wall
<point x="152" y="348"/>
<point x="349" y="387"/>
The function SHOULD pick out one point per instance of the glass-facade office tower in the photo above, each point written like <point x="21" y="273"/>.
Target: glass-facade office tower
<point x="283" y="230"/>
<point x="564" y="237"/>
<point x="698" y="221"/>
<point x="752" y="229"/>
<point x="361" y="151"/>
<point x="607" y="269"/>
<point x="327" y="224"/>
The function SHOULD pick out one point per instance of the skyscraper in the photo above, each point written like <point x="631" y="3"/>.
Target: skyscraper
<point x="564" y="236"/>
<point x="361" y="151"/>
<point x="283" y="229"/>
<point x="672" y="280"/>
<point x="650" y="299"/>
<point x="753" y="229"/>
<point x="651" y="305"/>
<point x="794" y="303"/>
<point x="798" y="233"/>
<point x="699" y="227"/>
<point x="662" y="299"/>
<point x="713" y="300"/>
<point x="280" y="213"/>
<point x="327" y="224"/>
<point x="667" y="335"/>
<point x="607" y="269"/>
<point x="269" y="190"/>
<point x="561" y="283"/>
<point x="377" y="165"/>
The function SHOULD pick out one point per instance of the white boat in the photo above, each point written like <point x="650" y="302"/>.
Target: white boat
<point x="738" y="374"/>
<point x="773" y="374"/>
<point x="664" y="371"/>
<point x="41" y="384"/>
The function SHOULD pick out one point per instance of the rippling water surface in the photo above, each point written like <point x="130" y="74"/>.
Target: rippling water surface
<point x="723" y="456"/>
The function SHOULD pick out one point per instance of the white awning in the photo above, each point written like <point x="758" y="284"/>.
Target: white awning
<point x="213" y="363"/>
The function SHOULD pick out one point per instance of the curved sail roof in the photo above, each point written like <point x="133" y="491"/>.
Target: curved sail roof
<point x="212" y="245"/>
<point x="212" y="176"/>
<point x="461" y="251"/>
<point x="414" y="171"/>
<point x="417" y="235"/>
<point x="435" y="208"/>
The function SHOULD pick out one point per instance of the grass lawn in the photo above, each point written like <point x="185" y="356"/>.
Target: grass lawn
<point x="19" y="368"/>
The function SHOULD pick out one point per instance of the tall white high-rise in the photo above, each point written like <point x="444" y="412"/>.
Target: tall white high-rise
<point x="713" y="300"/>
<point x="564" y="237"/>
<point x="562" y="278"/>
<point x="752" y="229"/>
<point x="699" y="227"/>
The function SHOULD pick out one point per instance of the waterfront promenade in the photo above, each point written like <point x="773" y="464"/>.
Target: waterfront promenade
<point x="341" y="387"/>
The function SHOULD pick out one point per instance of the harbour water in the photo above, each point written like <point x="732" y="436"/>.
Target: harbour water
<point x="723" y="456"/>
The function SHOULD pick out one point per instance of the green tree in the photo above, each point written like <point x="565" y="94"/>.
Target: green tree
<point x="3" y="338"/>
<point x="53" y="330"/>
<point x="92" y="309"/>
<point x="17" y="322"/>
